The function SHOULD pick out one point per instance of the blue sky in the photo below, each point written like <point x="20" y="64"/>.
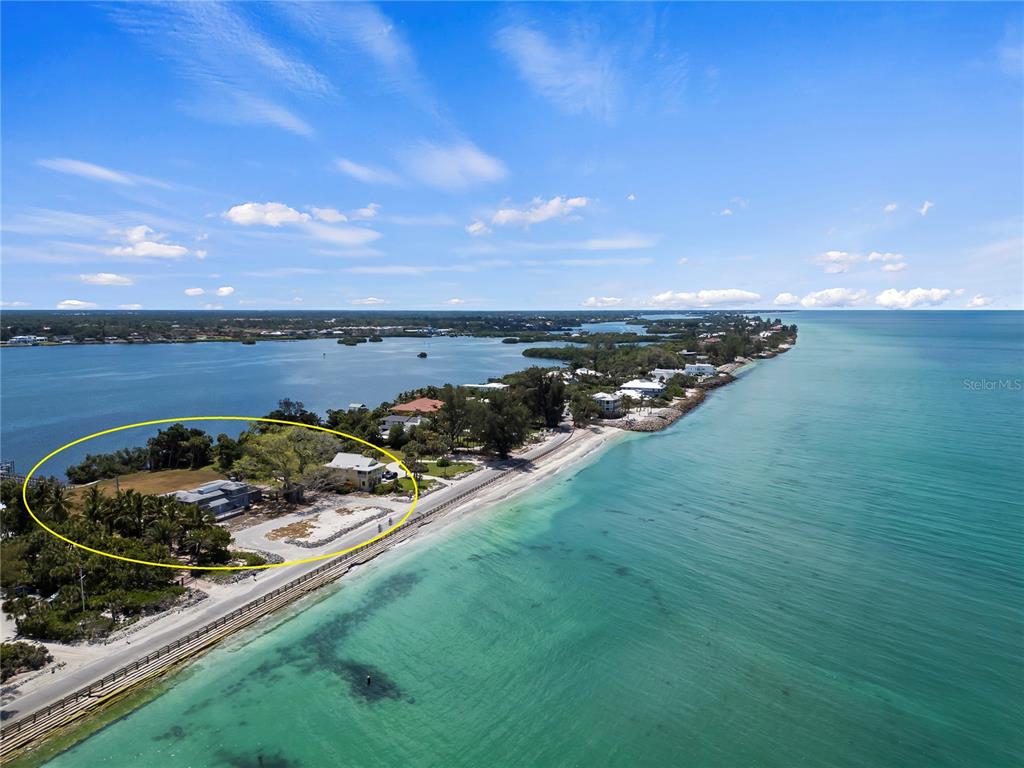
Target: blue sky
<point x="489" y="156"/>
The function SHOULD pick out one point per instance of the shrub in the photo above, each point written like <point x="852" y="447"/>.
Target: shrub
<point x="19" y="657"/>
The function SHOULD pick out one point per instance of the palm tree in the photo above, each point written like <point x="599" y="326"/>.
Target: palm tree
<point x="94" y="504"/>
<point x="58" y="505"/>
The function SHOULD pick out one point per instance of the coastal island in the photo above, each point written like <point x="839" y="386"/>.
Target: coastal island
<point x="277" y="493"/>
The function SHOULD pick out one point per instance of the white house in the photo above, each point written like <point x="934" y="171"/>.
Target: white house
<point x="610" y="405"/>
<point x="699" y="369"/>
<point x="492" y="386"/>
<point x="643" y="388"/>
<point x="360" y="471"/>
<point x="407" y="422"/>
<point x="664" y="374"/>
<point x="587" y="372"/>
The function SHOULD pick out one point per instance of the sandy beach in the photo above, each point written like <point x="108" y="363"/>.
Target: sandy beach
<point x="77" y="665"/>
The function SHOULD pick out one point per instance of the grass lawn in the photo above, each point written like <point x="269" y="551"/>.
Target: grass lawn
<point x="406" y="484"/>
<point x="455" y="468"/>
<point x="164" y="481"/>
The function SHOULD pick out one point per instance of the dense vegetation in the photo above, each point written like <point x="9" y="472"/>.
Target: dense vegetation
<point x="20" y="657"/>
<point x="59" y="592"/>
<point x="177" y="447"/>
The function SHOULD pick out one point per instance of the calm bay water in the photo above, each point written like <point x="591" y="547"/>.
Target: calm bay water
<point x="55" y="394"/>
<point x="821" y="566"/>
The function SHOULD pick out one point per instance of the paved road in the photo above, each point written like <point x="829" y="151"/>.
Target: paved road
<point x="147" y="641"/>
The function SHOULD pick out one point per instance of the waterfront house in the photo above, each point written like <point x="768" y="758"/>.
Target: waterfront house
<point x="421" y="406"/>
<point x="357" y="408"/>
<point x="664" y="374"/>
<point x="610" y="405"/>
<point x="699" y="369"/>
<point x="407" y="422"/>
<point x="354" y="469"/>
<point x="222" y="498"/>
<point x="22" y="341"/>
<point x="492" y="386"/>
<point x="643" y="388"/>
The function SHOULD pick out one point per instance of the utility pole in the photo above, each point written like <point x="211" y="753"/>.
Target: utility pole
<point x="81" y="584"/>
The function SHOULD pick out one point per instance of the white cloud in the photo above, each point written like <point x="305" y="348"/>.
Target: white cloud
<point x="366" y="173"/>
<point x="369" y="212"/>
<point x="106" y="278"/>
<point x="894" y="299"/>
<point x="213" y="306"/>
<point x="150" y="250"/>
<point x="539" y="210"/>
<point x="833" y="297"/>
<point x="194" y="291"/>
<point x="836" y="262"/>
<point x="129" y="306"/>
<point x="14" y="304"/>
<point x="266" y="214"/>
<point x="76" y="304"/>
<point x="233" y="65"/>
<point x="200" y="254"/>
<point x="891" y="207"/>
<point x="631" y="197"/>
<point x="928" y="205"/>
<point x="454" y="302"/>
<point x="363" y="26"/>
<point x="86" y="170"/>
<point x="725" y="212"/>
<point x="741" y="202"/>
<point x="705" y="298"/>
<point x="144" y="243"/>
<point x="225" y="290"/>
<point x="368" y="301"/>
<point x="682" y="260"/>
<point x="898" y="267"/>
<point x="786" y="300"/>
<point x="876" y="256"/>
<point x="572" y="74"/>
<point x="602" y="301"/>
<point x="277" y="214"/>
<point x="978" y="301"/>
<point x="329" y="215"/>
<point x="348" y="237"/>
<point x="140" y="233"/>
<point x="452" y="167"/>
<point x="478" y="228"/>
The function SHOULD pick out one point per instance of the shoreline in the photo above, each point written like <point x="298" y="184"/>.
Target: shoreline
<point x="552" y="455"/>
<point x="36" y="726"/>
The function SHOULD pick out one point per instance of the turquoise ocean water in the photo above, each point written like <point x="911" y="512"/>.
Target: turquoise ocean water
<point x="821" y="566"/>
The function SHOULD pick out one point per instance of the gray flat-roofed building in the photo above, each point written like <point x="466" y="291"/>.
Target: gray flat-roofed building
<point x="222" y="498"/>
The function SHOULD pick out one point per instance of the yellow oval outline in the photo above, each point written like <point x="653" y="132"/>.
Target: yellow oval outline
<point x="181" y="567"/>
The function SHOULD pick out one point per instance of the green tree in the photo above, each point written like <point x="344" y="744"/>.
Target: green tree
<point x="179" y="447"/>
<point x="294" y="410"/>
<point x="503" y="423"/>
<point x="583" y="409"/>
<point x="454" y="416"/>
<point x="396" y="436"/>
<point x="227" y="452"/>
<point x="290" y="455"/>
